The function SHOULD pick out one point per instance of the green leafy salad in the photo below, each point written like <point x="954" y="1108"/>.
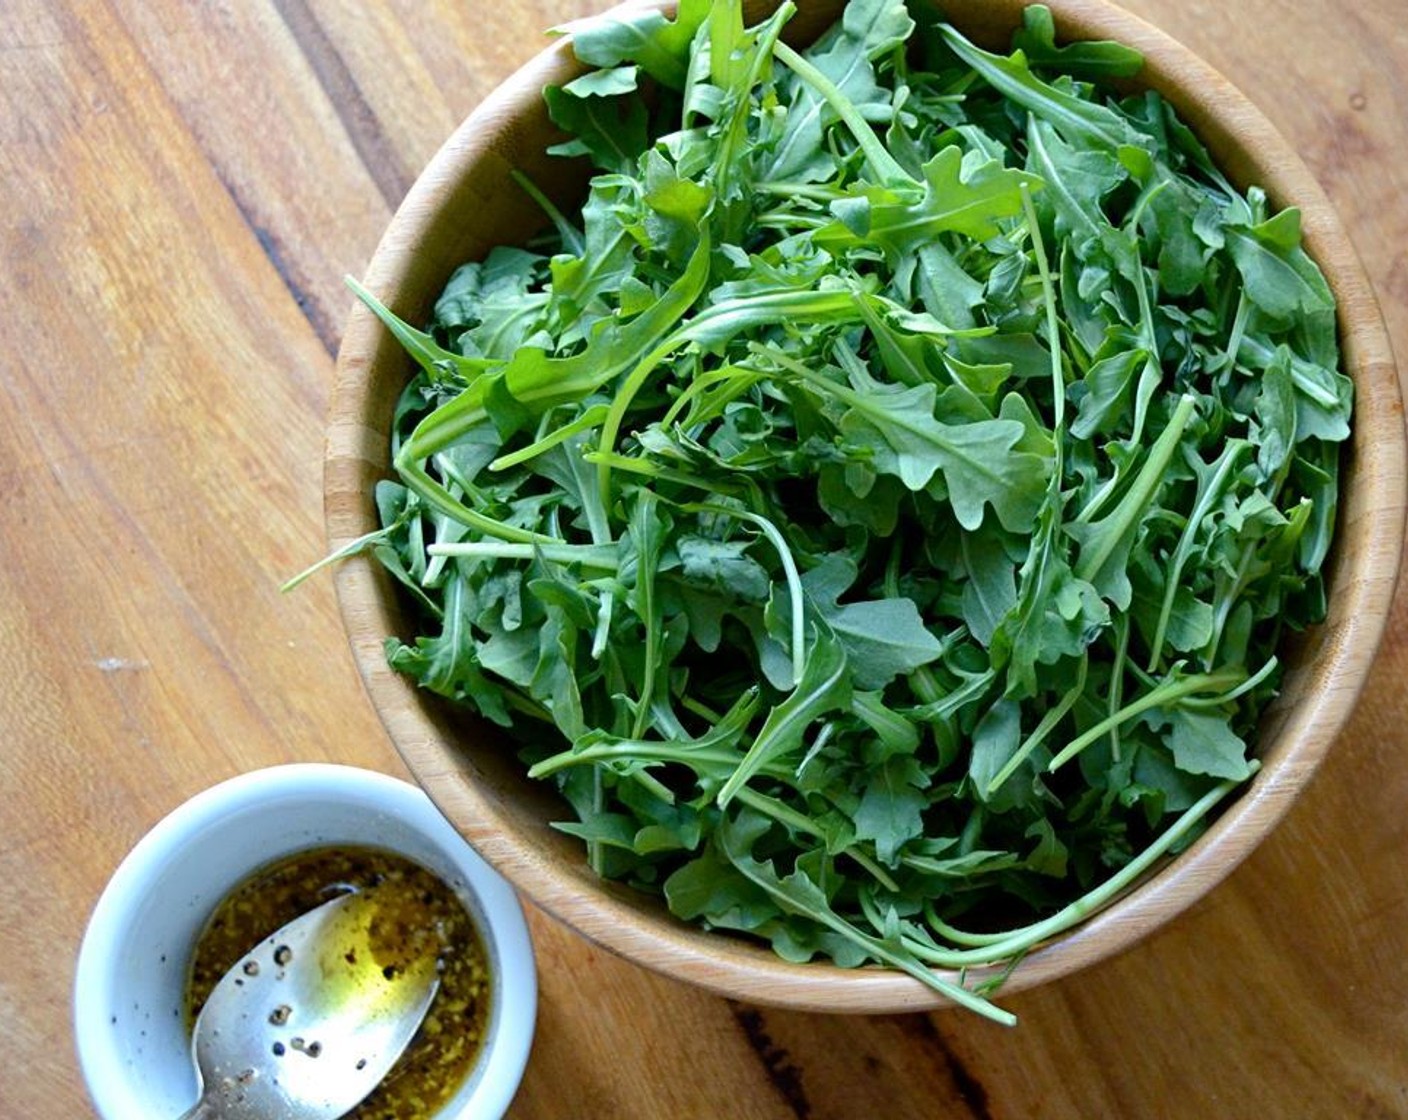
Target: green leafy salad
<point x="878" y="508"/>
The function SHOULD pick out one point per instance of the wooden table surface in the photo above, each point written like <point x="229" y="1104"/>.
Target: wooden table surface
<point x="183" y="184"/>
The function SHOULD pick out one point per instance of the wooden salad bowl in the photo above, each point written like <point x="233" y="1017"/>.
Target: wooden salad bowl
<point x="465" y="203"/>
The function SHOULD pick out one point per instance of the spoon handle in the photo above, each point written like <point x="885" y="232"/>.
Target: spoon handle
<point x="203" y="1109"/>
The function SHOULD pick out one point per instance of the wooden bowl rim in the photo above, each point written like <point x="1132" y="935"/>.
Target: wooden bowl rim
<point x="1372" y="516"/>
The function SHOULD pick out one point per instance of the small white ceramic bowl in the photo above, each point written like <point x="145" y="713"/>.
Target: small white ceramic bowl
<point x="128" y="991"/>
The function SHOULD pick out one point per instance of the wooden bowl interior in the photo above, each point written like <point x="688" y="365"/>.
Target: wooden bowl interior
<point x="466" y="202"/>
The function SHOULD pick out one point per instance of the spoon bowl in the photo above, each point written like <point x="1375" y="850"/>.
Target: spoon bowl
<point x="311" y="1020"/>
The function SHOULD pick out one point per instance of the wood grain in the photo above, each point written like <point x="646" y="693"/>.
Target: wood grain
<point x="183" y="187"/>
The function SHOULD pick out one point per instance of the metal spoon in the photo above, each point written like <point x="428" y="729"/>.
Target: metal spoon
<point x="309" y="1022"/>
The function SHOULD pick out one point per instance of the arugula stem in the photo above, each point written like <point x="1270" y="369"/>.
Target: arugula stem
<point x="800" y="822"/>
<point x="1002" y="946"/>
<point x="434" y="494"/>
<point x="536" y="382"/>
<point x="813" y="191"/>
<point x="699" y="708"/>
<point x="1125" y="516"/>
<point x="880" y="950"/>
<point x="1043" y="729"/>
<point x="735" y="136"/>
<point x="1117" y="673"/>
<point x="602" y="634"/>
<point x="926" y="687"/>
<point x="733" y="380"/>
<point x="1262" y="354"/>
<point x="959" y="936"/>
<point x="596" y="853"/>
<point x="870" y="708"/>
<point x="708" y="761"/>
<point x="653" y="785"/>
<point x="1239" y="328"/>
<point x="505" y="327"/>
<point x="588" y="420"/>
<point x="713" y="749"/>
<point x="934" y="432"/>
<point x="528" y="707"/>
<point x="1167" y="694"/>
<point x="1097" y="501"/>
<point x="789" y="568"/>
<point x="972" y="829"/>
<point x="1208" y="493"/>
<point x="646" y="569"/>
<point x="1227" y="601"/>
<point x="1146" y="196"/>
<point x="950" y="703"/>
<point x="571" y="236"/>
<point x="791" y="221"/>
<point x="648" y="468"/>
<point x="611" y="423"/>
<point x="1053" y="325"/>
<point x="351" y="548"/>
<point x="600" y="557"/>
<point x="1011" y="77"/>
<point x="726" y="318"/>
<point x="1242" y="689"/>
<point x="1150" y="375"/>
<point x="824" y="687"/>
<point x="921" y="679"/>
<point x="823" y="736"/>
<point x="877" y="155"/>
<point x="441" y="366"/>
<point x="1055" y="182"/>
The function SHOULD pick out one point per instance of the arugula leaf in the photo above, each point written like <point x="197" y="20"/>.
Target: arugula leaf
<point x="1279" y="277"/>
<point x="1202" y="743"/>
<point x="658" y="45"/>
<point x="611" y="130"/>
<point x="881" y="638"/>
<point x="708" y="887"/>
<point x="970" y="204"/>
<point x="1078" y="119"/>
<point x="991" y="589"/>
<point x="868" y="29"/>
<point x="1105" y="544"/>
<point x="891" y="810"/>
<point x="824" y="687"/>
<point x="898" y="427"/>
<point x="1095" y="60"/>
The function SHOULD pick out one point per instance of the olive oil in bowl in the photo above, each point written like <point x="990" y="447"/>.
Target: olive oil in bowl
<point x="429" y="913"/>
